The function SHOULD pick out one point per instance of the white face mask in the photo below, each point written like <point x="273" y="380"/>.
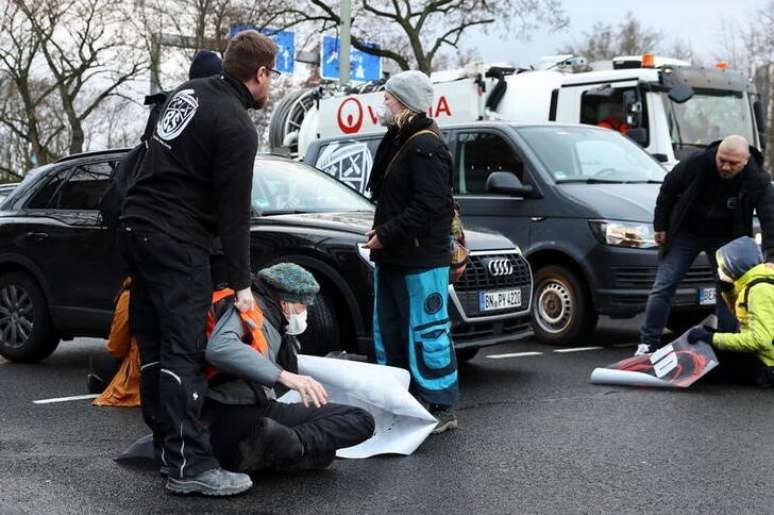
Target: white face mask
<point x="296" y="322"/>
<point x="723" y="277"/>
<point x="386" y="118"/>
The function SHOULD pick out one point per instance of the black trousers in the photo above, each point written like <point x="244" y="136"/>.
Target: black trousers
<point x="322" y="430"/>
<point x="170" y="295"/>
<point x="741" y="368"/>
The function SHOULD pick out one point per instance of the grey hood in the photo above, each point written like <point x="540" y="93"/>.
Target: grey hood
<point x="629" y="202"/>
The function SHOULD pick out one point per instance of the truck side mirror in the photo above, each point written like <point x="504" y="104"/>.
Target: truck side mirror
<point x="638" y="135"/>
<point x="760" y="120"/>
<point x="507" y="183"/>
<point x="680" y="93"/>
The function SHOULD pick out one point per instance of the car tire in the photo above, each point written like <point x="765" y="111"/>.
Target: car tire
<point x="465" y="355"/>
<point x="322" y="334"/>
<point x="26" y="333"/>
<point x="561" y="307"/>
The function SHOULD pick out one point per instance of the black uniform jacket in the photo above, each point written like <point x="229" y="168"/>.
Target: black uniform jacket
<point x="196" y="179"/>
<point x="683" y="184"/>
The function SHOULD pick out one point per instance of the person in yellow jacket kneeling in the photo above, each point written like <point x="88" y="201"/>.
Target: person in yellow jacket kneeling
<point x="746" y="356"/>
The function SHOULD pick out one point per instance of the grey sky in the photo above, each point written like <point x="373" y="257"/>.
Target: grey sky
<point x="695" y="21"/>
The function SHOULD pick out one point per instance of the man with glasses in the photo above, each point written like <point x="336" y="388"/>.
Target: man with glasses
<point x="706" y="201"/>
<point x="194" y="185"/>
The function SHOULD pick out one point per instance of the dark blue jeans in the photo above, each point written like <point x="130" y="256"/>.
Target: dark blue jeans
<point x="671" y="270"/>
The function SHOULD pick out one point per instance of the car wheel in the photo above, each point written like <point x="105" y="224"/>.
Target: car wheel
<point x="26" y="334"/>
<point x="322" y="334"/>
<point x="465" y="355"/>
<point x="561" y="309"/>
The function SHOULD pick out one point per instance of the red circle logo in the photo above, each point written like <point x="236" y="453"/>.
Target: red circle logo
<point x="350" y="115"/>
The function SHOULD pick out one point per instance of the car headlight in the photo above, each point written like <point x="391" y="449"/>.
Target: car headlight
<point x="365" y="254"/>
<point x="624" y="234"/>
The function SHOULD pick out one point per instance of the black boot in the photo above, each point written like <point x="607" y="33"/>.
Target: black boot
<point x="269" y="443"/>
<point x="316" y="459"/>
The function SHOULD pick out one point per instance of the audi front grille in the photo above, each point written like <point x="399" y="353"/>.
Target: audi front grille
<point x="490" y="272"/>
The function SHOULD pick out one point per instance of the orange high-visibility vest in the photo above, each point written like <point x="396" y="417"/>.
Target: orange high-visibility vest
<point x="252" y="321"/>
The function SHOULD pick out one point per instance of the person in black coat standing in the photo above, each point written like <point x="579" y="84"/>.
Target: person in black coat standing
<point x="706" y="201"/>
<point x="410" y="245"/>
<point x="194" y="185"/>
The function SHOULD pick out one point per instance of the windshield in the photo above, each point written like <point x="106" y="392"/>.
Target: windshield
<point x="709" y="116"/>
<point x="288" y="187"/>
<point x="580" y="154"/>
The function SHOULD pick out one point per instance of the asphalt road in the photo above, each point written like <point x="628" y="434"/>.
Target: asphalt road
<point x="535" y="437"/>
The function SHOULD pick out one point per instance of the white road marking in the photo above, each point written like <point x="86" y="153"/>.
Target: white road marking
<point x="514" y="355"/>
<point x="578" y="349"/>
<point x="66" y="399"/>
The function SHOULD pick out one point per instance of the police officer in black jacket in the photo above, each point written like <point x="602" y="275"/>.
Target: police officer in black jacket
<point x="194" y="185"/>
<point x="706" y="201"/>
<point x="410" y="244"/>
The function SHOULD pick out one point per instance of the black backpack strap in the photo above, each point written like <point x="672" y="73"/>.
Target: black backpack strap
<point x="767" y="280"/>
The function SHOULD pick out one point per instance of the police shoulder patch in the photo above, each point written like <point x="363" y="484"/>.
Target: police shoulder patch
<point x="433" y="303"/>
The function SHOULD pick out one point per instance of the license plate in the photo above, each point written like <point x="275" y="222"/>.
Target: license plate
<point x="707" y="297"/>
<point x="501" y="299"/>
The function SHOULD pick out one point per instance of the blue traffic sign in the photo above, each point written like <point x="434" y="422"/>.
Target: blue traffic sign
<point x="286" y="45"/>
<point x="364" y="67"/>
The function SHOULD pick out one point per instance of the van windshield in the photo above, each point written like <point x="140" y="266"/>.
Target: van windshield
<point x="589" y="155"/>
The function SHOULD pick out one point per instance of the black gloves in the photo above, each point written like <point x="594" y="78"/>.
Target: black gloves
<point x="703" y="334"/>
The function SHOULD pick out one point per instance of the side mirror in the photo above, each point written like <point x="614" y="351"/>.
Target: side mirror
<point x="760" y="120"/>
<point x="638" y="135"/>
<point x="507" y="183"/>
<point x="680" y="93"/>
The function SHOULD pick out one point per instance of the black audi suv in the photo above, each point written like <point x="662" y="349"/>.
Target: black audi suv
<point x="58" y="282"/>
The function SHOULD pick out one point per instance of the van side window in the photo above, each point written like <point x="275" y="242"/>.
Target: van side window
<point x="478" y="155"/>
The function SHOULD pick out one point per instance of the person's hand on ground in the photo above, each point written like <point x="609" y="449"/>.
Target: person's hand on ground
<point x="309" y="389"/>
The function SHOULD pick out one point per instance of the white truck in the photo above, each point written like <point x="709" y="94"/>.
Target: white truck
<point x="669" y="107"/>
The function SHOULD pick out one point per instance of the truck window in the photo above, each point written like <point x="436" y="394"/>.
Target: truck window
<point x="478" y="155"/>
<point x="610" y="107"/>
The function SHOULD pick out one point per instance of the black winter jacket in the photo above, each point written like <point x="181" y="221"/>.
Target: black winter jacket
<point x="196" y="178"/>
<point x="414" y="198"/>
<point x="682" y="185"/>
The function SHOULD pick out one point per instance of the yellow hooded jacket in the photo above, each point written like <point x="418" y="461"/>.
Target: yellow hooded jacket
<point x="756" y="319"/>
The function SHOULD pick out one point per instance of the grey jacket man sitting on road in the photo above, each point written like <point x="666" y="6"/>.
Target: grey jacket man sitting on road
<point x="705" y="202"/>
<point x="249" y="429"/>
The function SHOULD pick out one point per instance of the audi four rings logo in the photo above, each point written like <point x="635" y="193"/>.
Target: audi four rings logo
<point x="500" y="267"/>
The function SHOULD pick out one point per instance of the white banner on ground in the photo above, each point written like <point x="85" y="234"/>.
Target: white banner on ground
<point x="676" y="365"/>
<point x="402" y="423"/>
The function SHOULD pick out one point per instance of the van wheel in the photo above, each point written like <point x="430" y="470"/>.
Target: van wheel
<point x="561" y="308"/>
<point x="26" y="334"/>
<point x="322" y="334"/>
<point x="465" y="355"/>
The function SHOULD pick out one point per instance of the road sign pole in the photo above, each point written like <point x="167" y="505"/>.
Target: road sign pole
<point x="345" y="15"/>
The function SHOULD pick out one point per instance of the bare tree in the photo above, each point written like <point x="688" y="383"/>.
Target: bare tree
<point x="416" y="32"/>
<point x="29" y="107"/>
<point x="749" y="46"/>
<point x="605" y="40"/>
<point x="88" y="52"/>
